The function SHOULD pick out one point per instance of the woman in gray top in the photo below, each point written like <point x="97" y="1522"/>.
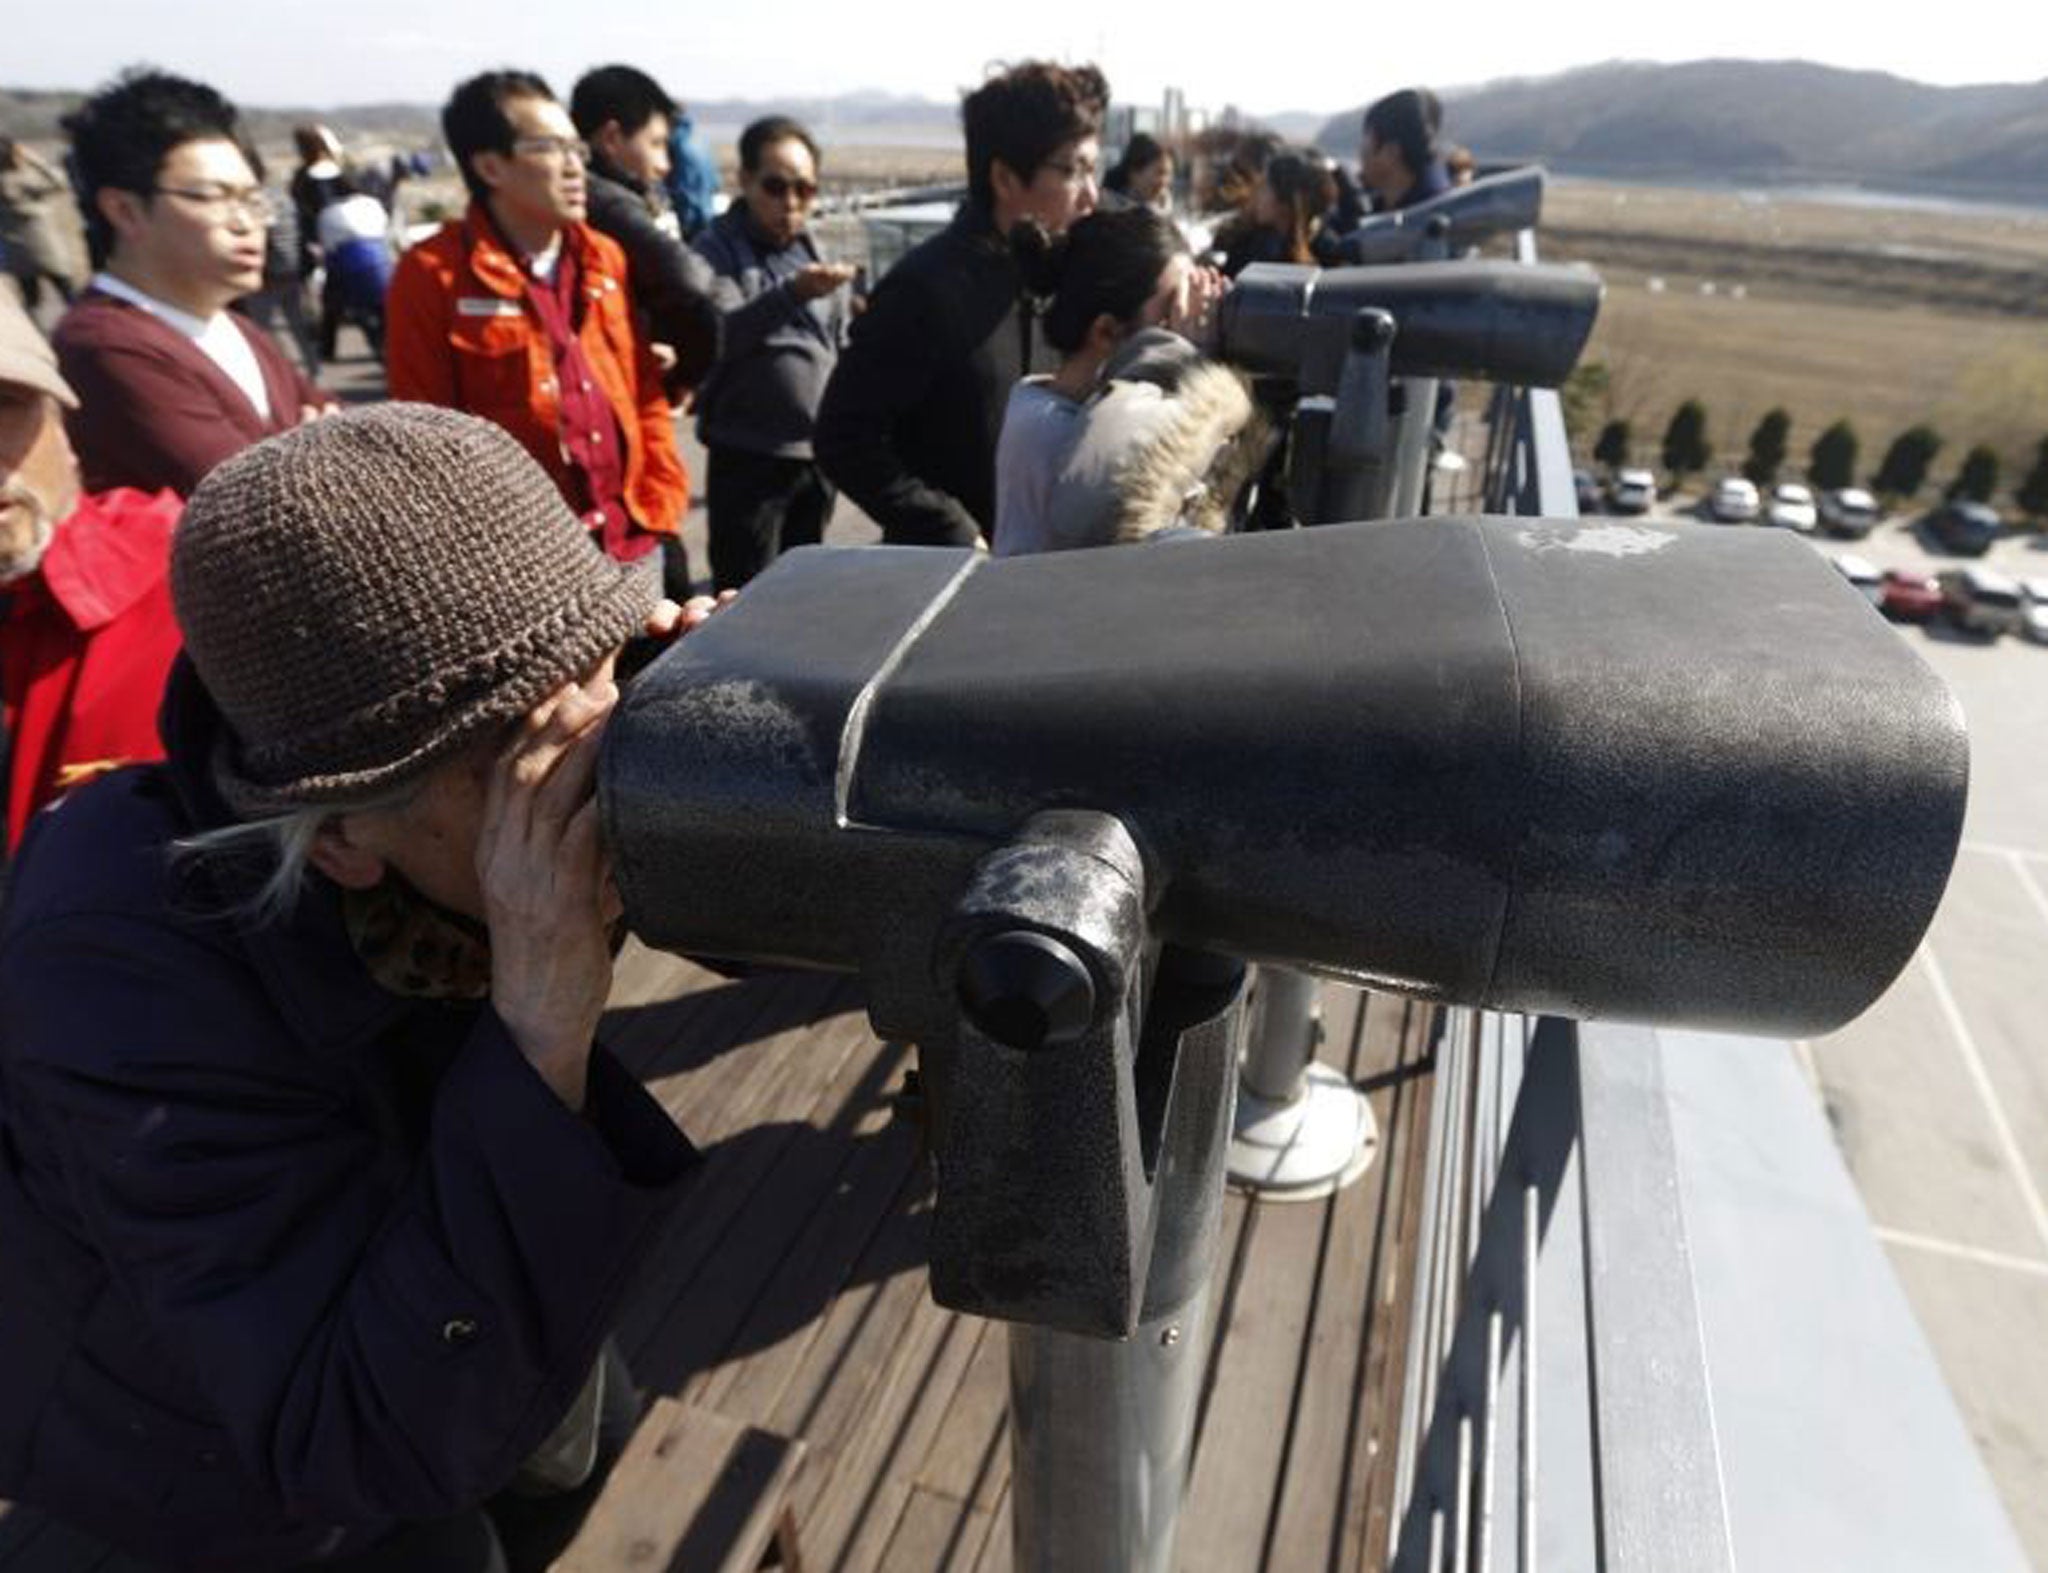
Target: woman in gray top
<point x="786" y="312"/>
<point x="1135" y="431"/>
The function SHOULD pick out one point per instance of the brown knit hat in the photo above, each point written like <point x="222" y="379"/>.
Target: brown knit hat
<point x="364" y="595"/>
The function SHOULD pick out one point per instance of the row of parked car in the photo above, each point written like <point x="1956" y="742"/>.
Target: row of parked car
<point x="1975" y="600"/>
<point x="1964" y="528"/>
<point x="1849" y="511"/>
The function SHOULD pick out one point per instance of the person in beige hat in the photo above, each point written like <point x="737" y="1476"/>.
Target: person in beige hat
<point x="320" y="1194"/>
<point x="86" y="631"/>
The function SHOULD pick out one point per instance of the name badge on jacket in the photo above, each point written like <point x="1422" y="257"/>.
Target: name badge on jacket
<point x="485" y="306"/>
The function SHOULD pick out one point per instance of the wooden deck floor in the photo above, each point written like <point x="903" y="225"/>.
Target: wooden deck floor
<point x="790" y="1294"/>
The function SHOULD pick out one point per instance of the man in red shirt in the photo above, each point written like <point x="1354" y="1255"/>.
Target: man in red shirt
<point x="170" y="381"/>
<point x="519" y="312"/>
<point x="86" y="631"/>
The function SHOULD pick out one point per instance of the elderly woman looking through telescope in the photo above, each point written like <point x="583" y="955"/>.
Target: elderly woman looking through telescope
<point x="320" y="1196"/>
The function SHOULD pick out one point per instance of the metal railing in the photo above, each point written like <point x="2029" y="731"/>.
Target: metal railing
<point x="1557" y="1392"/>
<point x="1559" y="1401"/>
<point x="1555" y="1395"/>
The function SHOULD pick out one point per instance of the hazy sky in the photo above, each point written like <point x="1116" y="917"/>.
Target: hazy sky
<point x="1312" y="54"/>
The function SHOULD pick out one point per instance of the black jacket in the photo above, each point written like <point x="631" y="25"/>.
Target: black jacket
<point x="289" y="1259"/>
<point x="910" y="419"/>
<point x="671" y="284"/>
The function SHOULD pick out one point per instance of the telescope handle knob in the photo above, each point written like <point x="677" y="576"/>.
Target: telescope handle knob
<point x="1372" y="330"/>
<point x="1026" y="991"/>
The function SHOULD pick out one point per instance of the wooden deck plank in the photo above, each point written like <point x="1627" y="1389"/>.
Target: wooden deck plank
<point x="955" y="1339"/>
<point x="861" y="1498"/>
<point x="711" y="1057"/>
<point x="842" y="1224"/>
<point x="1332" y="1451"/>
<point x="693" y="1490"/>
<point x="936" y="1534"/>
<point x="735" y="1243"/>
<point x="969" y="1458"/>
<point x="996" y="1550"/>
<point x="1246" y="1426"/>
<point x="1372" y="1509"/>
<point x="745" y="1131"/>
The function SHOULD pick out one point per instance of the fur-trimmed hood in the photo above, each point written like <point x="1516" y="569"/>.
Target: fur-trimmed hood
<point x="1168" y="440"/>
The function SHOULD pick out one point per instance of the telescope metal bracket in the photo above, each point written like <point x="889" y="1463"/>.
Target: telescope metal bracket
<point x="1080" y="1088"/>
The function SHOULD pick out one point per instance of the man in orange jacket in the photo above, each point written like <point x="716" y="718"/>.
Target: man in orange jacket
<point x="519" y="312"/>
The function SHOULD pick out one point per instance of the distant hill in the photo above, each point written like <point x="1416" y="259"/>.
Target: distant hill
<point x="879" y="118"/>
<point x="35" y="115"/>
<point x="1708" y="120"/>
<point x="1775" y="121"/>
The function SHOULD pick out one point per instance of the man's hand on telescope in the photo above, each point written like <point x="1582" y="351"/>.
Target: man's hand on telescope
<point x="549" y="901"/>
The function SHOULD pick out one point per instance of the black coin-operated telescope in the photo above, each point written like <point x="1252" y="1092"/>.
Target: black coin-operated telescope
<point x="1047" y="807"/>
<point x="1337" y="338"/>
<point x="1491" y="205"/>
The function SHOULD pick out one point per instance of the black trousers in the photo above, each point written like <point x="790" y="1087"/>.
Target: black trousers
<point x="759" y="507"/>
<point x="511" y="1533"/>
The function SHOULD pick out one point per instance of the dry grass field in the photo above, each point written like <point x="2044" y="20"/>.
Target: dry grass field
<point x="1887" y="316"/>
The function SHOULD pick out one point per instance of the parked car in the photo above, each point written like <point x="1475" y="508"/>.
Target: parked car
<point x="1909" y="595"/>
<point x="1964" y="528"/>
<point x="1981" y="602"/>
<point x="2034" y="607"/>
<point x="1791" y="508"/>
<point x="1588" y="490"/>
<point x="1863" y="574"/>
<point x="1849" y="510"/>
<point x="1733" y="500"/>
<point x="1631" y="491"/>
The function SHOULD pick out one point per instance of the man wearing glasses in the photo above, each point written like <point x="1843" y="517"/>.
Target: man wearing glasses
<point x="520" y="312"/>
<point x="169" y="381"/>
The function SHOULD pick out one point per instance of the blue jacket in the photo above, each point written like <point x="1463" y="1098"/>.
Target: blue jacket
<point x="289" y="1259"/>
<point x="692" y="176"/>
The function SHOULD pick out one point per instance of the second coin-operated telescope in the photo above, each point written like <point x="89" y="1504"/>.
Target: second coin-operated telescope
<point x="1491" y="205"/>
<point x="1334" y="341"/>
<point x="1498" y="321"/>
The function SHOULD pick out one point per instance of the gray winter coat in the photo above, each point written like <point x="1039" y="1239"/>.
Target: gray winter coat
<point x="778" y="351"/>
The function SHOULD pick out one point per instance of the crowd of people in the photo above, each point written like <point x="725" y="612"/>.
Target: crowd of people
<point x="317" y="1191"/>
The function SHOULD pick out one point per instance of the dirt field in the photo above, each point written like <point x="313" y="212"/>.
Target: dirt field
<point x="1885" y="316"/>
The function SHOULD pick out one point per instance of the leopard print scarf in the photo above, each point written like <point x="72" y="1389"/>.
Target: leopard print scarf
<point x="412" y="947"/>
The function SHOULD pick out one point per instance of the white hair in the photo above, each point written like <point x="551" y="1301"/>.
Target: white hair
<point x="284" y="842"/>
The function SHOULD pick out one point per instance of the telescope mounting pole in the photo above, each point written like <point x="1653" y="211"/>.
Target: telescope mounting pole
<point x="1302" y="1130"/>
<point x="1086" y="1079"/>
